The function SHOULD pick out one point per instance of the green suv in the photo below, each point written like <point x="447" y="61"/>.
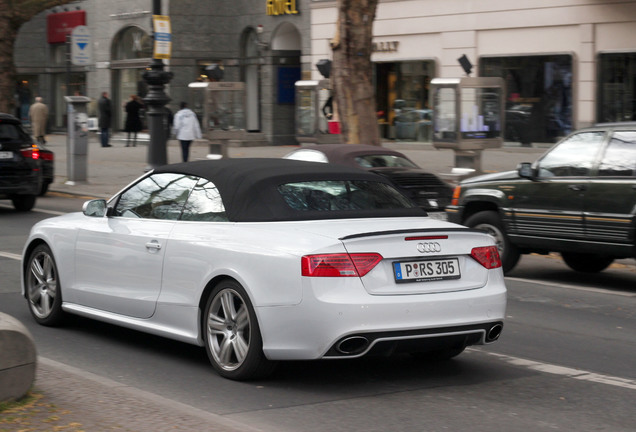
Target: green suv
<point x="578" y="199"/>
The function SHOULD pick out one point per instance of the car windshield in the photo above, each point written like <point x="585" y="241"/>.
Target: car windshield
<point x="327" y="195"/>
<point x="380" y="160"/>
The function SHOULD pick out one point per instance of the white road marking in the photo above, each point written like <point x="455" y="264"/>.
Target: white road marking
<point x="574" y="287"/>
<point x="10" y="255"/>
<point x="39" y="210"/>
<point x="577" y="374"/>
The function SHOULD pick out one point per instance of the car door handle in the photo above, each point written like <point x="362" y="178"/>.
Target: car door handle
<point x="154" y="245"/>
<point x="577" y="187"/>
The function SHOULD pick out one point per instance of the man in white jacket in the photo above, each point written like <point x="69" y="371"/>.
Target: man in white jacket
<point x="186" y="128"/>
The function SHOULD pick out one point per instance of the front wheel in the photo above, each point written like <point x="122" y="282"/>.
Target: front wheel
<point x="232" y="335"/>
<point x="586" y="262"/>
<point x="42" y="285"/>
<point x="490" y="222"/>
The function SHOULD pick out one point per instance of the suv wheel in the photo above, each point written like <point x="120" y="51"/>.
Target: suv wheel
<point x="23" y="202"/>
<point x="586" y="263"/>
<point x="490" y="222"/>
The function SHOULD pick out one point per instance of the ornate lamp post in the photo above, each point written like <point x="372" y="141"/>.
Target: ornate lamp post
<point x="155" y="100"/>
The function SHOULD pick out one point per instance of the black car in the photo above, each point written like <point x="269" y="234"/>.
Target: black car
<point x="578" y="199"/>
<point x="424" y="188"/>
<point x="20" y="165"/>
<point x="48" y="168"/>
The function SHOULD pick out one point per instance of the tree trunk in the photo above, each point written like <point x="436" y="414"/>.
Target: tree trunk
<point x="7" y="69"/>
<point x="14" y="13"/>
<point x="353" y="73"/>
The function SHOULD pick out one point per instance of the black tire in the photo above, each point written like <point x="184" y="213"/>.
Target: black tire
<point x="490" y="222"/>
<point x="23" y="202"/>
<point x="43" y="289"/>
<point x="586" y="263"/>
<point x="45" y="188"/>
<point x="232" y="336"/>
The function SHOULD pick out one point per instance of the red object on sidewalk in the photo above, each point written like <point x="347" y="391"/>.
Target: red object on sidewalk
<point x="334" y="127"/>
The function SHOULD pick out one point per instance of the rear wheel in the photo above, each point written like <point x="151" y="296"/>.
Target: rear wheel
<point x="232" y="335"/>
<point x="490" y="222"/>
<point x="586" y="263"/>
<point x="23" y="202"/>
<point x="42" y="285"/>
<point x="45" y="188"/>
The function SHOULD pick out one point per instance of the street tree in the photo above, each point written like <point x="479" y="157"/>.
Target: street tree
<point x="13" y="14"/>
<point x="352" y="74"/>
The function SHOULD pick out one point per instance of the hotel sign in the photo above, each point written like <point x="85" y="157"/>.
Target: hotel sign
<point x="281" y="7"/>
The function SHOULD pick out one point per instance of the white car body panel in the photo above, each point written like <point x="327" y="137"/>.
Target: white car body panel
<point x="300" y="317"/>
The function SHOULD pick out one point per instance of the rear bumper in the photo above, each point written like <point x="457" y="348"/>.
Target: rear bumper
<point x="328" y="316"/>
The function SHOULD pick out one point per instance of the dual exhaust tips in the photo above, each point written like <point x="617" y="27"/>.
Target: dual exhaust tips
<point x="354" y="345"/>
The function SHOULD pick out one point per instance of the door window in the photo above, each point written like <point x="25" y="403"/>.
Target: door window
<point x="159" y="196"/>
<point x="620" y="156"/>
<point x="204" y="204"/>
<point x="574" y="157"/>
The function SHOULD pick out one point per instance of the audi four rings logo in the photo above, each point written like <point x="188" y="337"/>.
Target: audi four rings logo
<point x="429" y="247"/>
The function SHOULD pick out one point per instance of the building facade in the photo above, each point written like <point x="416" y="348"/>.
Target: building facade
<point x="567" y="63"/>
<point x="263" y="43"/>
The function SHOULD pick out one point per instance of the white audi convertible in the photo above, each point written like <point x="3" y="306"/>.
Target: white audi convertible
<point x="260" y="260"/>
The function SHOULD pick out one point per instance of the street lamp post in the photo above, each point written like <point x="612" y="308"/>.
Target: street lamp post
<point x="155" y="100"/>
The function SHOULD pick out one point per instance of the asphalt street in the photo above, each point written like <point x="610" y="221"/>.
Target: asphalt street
<point x="564" y="362"/>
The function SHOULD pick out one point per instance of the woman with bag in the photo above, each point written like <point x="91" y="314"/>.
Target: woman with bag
<point x="186" y="128"/>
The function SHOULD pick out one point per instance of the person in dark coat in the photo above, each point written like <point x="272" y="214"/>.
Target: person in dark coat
<point x="133" y="119"/>
<point x="105" y="113"/>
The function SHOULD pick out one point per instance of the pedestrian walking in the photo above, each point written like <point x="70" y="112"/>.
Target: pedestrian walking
<point x="38" y="115"/>
<point x="133" y="119"/>
<point x="186" y="128"/>
<point x="105" y="113"/>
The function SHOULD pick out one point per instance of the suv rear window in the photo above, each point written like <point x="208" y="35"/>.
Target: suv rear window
<point x="338" y="195"/>
<point x="12" y="132"/>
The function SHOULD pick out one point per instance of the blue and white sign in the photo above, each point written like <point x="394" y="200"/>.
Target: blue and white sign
<point x="81" y="50"/>
<point x="163" y="37"/>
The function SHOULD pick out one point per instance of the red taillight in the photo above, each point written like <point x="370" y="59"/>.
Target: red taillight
<point x="48" y="156"/>
<point x="32" y="153"/>
<point x="339" y="265"/>
<point x="488" y="256"/>
<point x="456" y="193"/>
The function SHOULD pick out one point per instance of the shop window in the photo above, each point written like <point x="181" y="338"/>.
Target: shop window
<point x="539" y="95"/>
<point x="617" y="87"/>
<point x="132" y="43"/>
<point x="402" y="95"/>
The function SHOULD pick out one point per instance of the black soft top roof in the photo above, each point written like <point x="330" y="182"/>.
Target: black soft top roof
<point x="248" y="187"/>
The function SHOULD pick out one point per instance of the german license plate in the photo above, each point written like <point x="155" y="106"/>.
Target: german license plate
<point x="426" y="271"/>
<point x="6" y="155"/>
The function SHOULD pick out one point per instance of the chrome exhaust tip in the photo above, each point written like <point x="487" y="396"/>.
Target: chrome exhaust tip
<point x="352" y="345"/>
<point x="494" y="332"/>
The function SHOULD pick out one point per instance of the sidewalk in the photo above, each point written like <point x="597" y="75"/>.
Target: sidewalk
<point x="110" y="169"/>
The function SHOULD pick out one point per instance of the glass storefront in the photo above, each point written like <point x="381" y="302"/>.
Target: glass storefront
<point x="617" y="87"/>
<point x="131" y="54"/>
<point x="402" y="99"/>
<point x="539" y="95"/>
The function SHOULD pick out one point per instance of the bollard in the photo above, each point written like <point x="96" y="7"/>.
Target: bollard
<point x="17" y="359"/>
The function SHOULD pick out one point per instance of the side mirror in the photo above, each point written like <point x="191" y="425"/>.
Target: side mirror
<point x="95" y="208"/>
<point x="525" y="170"/>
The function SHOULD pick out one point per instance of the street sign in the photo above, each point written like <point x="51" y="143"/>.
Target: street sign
<point x="81" y="50"/>
<point x="163" y="37"/>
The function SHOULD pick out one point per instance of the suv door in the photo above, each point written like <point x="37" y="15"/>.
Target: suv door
<point x="610" y="202"/>
<point x="552" y="205"/>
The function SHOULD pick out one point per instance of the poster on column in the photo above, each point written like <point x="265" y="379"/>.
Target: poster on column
<point x="163" y="37"/>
